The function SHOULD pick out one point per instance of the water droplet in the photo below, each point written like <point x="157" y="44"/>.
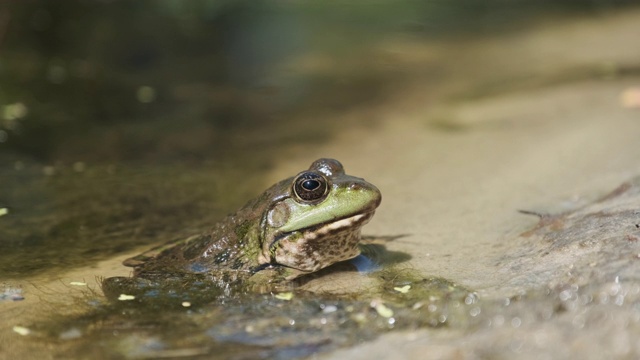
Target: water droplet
<point x="329" y="309"/>
<point x="619" y="300"/>
<point x="565" y="295"/>
<point x="516" y="322"/>
<point x="470" y="299"/>
<point x="586" y="299"/>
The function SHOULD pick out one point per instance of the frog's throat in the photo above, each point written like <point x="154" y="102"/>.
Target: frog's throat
<point x="315" y="234"/>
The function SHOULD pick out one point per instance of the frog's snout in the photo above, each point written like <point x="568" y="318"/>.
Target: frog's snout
<point x="369" y="190"/>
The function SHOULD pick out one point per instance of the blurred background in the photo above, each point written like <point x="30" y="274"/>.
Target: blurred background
<point x="111" y="81"/>
<point x="125" y="123"/>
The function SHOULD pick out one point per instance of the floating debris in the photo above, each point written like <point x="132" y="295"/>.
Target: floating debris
<point x="125" y="297"/>
<point x="402" y="289"/>
<point x="382" y="309"/>
<point x="186" y="304"/>
<point x="284" y="296"/>
<point x="78" y="283"/>
<point x="21" y="330"/>
<point x="4" y="211"/>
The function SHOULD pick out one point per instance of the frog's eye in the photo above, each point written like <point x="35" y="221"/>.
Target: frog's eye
<point x="310" y="186"/>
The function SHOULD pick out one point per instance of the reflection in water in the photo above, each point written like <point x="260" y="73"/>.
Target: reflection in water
<point x="198" y="316"/>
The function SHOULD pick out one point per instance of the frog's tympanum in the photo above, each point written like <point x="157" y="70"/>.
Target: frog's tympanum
<point x="299" y="225"/>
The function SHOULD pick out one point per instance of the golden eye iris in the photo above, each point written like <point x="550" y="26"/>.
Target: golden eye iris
<point x="310" y="186"/>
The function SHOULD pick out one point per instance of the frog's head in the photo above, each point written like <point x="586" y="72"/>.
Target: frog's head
<point x="316" y="217"/>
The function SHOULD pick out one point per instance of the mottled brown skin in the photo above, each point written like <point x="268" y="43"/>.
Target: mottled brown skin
<point x="277" y="230"/>
<point x="228" y="246"/>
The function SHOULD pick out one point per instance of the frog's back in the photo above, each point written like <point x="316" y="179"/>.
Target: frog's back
<point x="224" y="247"/>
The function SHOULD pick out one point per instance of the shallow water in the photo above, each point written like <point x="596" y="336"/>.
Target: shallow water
<point x="115" y="153"/>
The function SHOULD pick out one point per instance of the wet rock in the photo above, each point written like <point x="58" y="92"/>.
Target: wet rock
<point x="595" y="243"/>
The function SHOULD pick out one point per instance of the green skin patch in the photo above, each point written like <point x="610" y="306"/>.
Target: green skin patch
<point x="298" y="226"/>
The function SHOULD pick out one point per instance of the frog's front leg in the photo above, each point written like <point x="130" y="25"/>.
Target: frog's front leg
<point x="274" y="279"/>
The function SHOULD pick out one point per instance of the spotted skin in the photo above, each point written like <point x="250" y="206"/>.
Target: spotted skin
<point x="303" y="224"/>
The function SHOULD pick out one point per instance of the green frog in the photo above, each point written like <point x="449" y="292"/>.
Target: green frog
<point x="298" y="226"/>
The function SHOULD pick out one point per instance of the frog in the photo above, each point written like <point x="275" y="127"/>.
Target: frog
<point x="298" y="226"/>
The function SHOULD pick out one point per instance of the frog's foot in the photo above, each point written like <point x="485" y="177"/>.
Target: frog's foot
<point x="273" y="279"/>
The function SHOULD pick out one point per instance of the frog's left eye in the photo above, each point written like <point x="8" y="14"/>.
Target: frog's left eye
<point x="310" y="186"/>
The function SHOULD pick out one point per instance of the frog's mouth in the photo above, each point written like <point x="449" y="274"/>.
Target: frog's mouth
<point x="327" y="229"/>
<point x="353" y="222"/>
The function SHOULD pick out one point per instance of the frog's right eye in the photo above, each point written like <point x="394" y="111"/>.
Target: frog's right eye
<point x="310" y="186"/>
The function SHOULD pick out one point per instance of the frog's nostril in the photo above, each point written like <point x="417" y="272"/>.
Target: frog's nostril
<point x="355" y="186"/>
